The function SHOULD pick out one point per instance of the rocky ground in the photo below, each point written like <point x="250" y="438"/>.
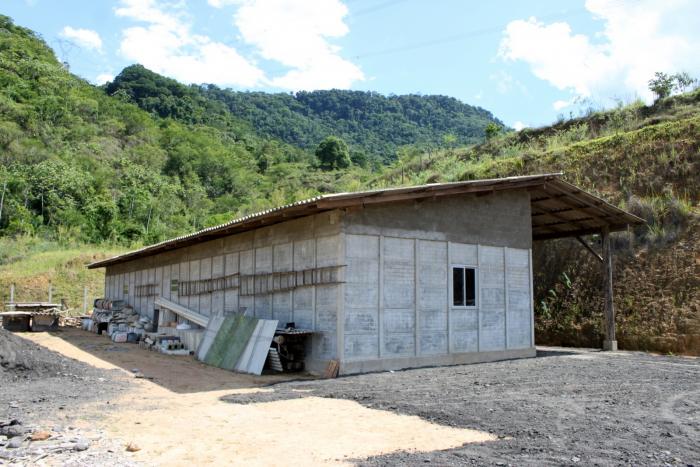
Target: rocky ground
<point x="565" y="407"/>
<point x="41" y="393"/>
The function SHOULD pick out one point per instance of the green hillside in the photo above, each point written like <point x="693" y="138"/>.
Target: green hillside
<point x="374" y="125"/>
<point x="78" y="164"/>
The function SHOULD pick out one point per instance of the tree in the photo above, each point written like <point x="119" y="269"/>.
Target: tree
<point x="333" y="153"/>
<point x="664" y="84"/>
<point x="491" y="130"/>
<point x="684" y="81"/>
<point x="661" y="85"/>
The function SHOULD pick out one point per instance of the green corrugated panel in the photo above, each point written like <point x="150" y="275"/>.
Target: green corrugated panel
<point x="230" y="341"/>
<point x="237" y="341"/>
<point x="214" y="356"/>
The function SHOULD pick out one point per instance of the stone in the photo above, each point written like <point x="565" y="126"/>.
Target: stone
<point x="14" y="443"/>
<point x="81" y="446"/>
<point x="40" y="436"/>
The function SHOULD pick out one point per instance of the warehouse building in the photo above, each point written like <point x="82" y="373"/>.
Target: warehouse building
<point x="392" y="278"/>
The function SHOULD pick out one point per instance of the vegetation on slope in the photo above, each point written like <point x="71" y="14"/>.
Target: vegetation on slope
<point x="373" y="124"/>
<point x="77" y="164"/>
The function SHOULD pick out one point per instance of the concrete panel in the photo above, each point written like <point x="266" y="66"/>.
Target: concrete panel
<point x="402" y="321"/>
<point x="519" y="319"/>
<point x="304" y="319"/>
<point x="399" y="273"/>
<point x="328" y="251"/>
<point x="263" y="260"/>
<point x="175" y="275"/>
<point x="282" y="307"/>
<point x="462" y="253"/>
<point x="492" y="330"/>
<point x="362" y="246"/>
<point x="247" y="265"/>
<point x="303" y="298"/>
<point x="193" y="300"/>
<point x="205" y="272"/>
<point x="304" y="254"/>
<point x="399" y="344"/>
<point x="246" y="304"/>
<point x="165" y="285"/>
<point x="360" y="346"/>
<point x="433" y="343"/>
<point x="361" y="321"/>
<point x="326" y="307"/>
<point x="432" y="320"/>
<point x="324" y="345"/>
<point x="263" y="306"/>
<point x="282" y="258"/>
<point x="184" y="300"/>
<point x="217" y="297"/>
<point x="464" y="341"/>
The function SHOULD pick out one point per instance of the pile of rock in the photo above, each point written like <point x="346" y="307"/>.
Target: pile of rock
<point x="26" y="445"/>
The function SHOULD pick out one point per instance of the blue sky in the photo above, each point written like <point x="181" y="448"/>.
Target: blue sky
<point x="527" y="62"/>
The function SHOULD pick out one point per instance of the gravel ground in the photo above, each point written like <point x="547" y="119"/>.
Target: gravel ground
<point x="565" y="407"/>
<point x="41" y="393"/>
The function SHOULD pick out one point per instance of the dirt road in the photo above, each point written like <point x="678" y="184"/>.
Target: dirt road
<point x="180" y="416"/>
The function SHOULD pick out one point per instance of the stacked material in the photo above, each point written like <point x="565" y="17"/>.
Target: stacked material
<point x="120" y="316"/>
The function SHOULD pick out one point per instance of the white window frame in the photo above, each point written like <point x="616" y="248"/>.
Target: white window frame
<point x="476" y="286"/>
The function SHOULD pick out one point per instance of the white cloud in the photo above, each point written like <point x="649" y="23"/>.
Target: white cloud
<point x="295" y="34"/>
<point x="221" y="3"/>
<point x="517" y="126"/>
<point x="560" y="104"/>
<point x="85" y="38"/>
<point x="638" y="38"/>
<point x="167" y="45"/>
<point x="103" y="78"/>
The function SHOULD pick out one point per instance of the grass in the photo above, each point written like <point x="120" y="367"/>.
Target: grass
<point x="31" y="264"/>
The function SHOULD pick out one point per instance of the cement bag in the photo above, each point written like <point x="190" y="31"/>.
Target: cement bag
<point x="120" y="337"/>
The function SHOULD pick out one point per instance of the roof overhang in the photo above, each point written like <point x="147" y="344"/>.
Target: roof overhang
<point x="559" y="209"/>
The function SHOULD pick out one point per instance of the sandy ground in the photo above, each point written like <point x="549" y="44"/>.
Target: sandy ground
<point x="180" y="416"/>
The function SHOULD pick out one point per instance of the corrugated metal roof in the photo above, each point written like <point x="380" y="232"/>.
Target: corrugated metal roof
<point x="562" y="210"/>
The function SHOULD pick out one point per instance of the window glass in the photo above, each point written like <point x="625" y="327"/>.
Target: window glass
<point x="470" y="281"/>
<point x="458" y="286"/>
<point x="463" y="286"/>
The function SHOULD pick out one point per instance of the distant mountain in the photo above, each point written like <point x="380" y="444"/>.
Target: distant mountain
<point x="370" y="122"/>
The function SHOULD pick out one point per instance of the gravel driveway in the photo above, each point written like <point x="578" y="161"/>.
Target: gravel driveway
<point x="565" y="407"/>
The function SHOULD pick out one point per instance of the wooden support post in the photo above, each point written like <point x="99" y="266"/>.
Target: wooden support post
<point x="610" y="343"/>
<point x="50" y="291"/>
<point x="12" y="293"/>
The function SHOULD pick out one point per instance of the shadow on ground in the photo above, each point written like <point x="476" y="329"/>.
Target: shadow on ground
<point x="180" y="374"/>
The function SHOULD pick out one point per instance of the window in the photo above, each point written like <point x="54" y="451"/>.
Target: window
<point x="174" y="285"/>
<point x="463" y="286"/>
<point x="125" y="289"/>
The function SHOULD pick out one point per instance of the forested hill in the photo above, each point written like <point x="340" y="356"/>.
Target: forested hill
<point x="370" y="122"/>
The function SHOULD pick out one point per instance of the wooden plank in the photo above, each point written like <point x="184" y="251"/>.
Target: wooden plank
<point x="332" y="369"/>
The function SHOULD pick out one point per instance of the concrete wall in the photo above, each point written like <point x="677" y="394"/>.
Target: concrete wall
<point x="398" y="309"/>
<point x="392" y="307"/>
<point x="310" y="242"/>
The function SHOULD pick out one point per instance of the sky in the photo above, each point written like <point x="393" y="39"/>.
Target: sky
<point x="528" y="63"/>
